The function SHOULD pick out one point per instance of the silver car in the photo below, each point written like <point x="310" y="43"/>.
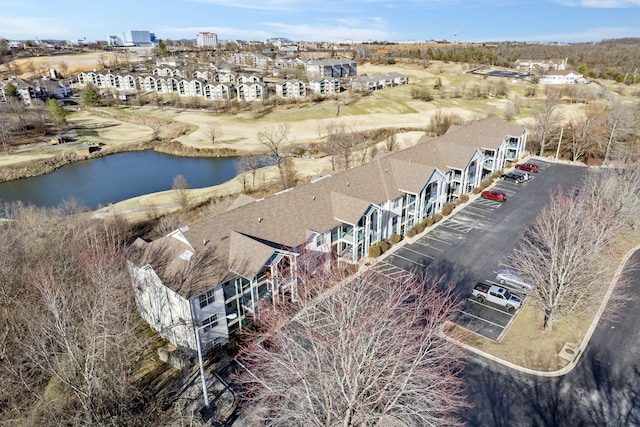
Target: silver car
<point x="514" y="278"/>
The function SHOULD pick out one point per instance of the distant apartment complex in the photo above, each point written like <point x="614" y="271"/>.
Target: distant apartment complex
<point x="206" y="39"/>
<point x="219" y="83"/>
<point x="31" y="89"/>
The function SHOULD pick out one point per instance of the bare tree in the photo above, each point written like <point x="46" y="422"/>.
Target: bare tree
<point x="72" y="346"/>
<point x="391" y="143"/>
<point x="215" y="133"/>
<point x="588" y="134"/>
<point x="564" y="254"/>
<point x="5" y="136"/>
<point x="619" y="121"/>
<point x="440" y="122"/>
<point x="63" y="67"/>
<point x="249" y="164"/>
<point x="369" y="352"/>
<point x="180" y="188"/>
<point x="546" y="119"/>
<point x="276" y="139"/>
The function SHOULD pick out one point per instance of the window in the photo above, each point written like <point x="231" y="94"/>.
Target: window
<point x="319" y="240"/>
<point x="207" y="298"/>
<point x="209" y="323"/>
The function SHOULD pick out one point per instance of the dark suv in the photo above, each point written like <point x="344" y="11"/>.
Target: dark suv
<point x="515" y="177"/>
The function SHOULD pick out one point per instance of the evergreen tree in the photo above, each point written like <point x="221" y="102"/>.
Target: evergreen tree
<point x="58" y="114"/>
<point x="11" y="91"/>
<point x="162" y="49"/>
<point x="91" y="96"/>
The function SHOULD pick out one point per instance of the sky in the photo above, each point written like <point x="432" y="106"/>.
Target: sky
<point x="562" y="21"/>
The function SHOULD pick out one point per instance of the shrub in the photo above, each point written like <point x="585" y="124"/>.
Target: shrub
<point x="428" y="222"/>
<point x="395" y="238"/>
<point x="419" y="227"/>
<point x="411" y="232"/>
<point x="375" y="251"/>
<point x="476" y="190"/>
<point x="447" y="209"/>
<point x="464" y="198"/>
<point x="384" y="246"/>
<point x="436" y="217"/>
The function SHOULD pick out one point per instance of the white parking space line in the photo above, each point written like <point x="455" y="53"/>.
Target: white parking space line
<point x="391" y="271"/>
<point x="481" y="214"/>
<point x="490" y="307"/>
<point x="429" y="247"/>
<point x="407" y="259"/>
<point x="429" y="237"/>
<point x="466" y="313"/>
<point x="417" y="252"/>
<point x="458" y="226"/>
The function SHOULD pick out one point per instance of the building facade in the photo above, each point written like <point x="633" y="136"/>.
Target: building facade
<point x="207" y="40"/>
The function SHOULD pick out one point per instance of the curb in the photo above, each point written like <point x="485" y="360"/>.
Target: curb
<point x="585" y="340"/>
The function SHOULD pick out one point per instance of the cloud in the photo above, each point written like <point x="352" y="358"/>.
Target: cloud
<point x="32" y="27"/>
<point x="600" y="4"/>
<point x="274" y="5"/>
<point x="593" y="34"/>
<point x="343" y="29"/>
<point x="228" y="33"/>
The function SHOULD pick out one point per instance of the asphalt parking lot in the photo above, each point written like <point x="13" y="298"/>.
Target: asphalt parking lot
<point x="476" y="240"/>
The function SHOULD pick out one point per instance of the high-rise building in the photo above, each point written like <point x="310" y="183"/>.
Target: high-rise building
<point x="133" y="38"/>
<point x="207" y="39"/>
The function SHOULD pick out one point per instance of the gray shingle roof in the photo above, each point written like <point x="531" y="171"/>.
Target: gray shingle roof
<point x="249" y="231"/>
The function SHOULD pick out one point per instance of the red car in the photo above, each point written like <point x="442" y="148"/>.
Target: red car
<point x="494" y="195"/>
<point x="529" y="167"/>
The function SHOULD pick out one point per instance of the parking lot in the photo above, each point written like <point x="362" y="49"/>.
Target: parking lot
<point x="475" y="241"/>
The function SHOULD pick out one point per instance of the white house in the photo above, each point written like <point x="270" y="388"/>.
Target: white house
<point x="562" y="77"/>
<point x="205" y="280"/>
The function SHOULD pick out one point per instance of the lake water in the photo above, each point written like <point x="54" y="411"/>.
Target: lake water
<point x="110" y="179"/>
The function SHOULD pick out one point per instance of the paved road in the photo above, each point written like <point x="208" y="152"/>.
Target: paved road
<point x="602" y="390"/>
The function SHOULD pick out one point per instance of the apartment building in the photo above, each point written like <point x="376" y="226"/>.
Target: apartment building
<point x="203" y="281"/>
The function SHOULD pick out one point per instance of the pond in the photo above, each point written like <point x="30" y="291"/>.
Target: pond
<point x="110" y="179"/>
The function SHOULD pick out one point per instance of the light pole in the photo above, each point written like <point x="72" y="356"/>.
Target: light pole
<point x="204" y="383"/>
<point x="560" y="142"/>
<point x="197" y="329"/>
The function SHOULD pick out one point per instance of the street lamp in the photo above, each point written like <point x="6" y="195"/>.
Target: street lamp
<point x="197" y="329"/>
<point x="560" y="142"/>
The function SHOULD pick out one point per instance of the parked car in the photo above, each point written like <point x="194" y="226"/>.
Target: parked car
<point x="528" y="167"/>
<point x="496" y="295"/>
<point x="494" y="195"/>
<point x="514" y="278"/>
<point x="525" y="175"/>
<point x="517" y="178"/>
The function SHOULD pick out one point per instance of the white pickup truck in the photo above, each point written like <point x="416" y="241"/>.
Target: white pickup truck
<point x="497" y="295"/>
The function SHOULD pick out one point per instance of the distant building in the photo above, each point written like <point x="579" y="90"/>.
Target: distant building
<point x="132" y="38"/>
<point x="207" y="39"/>
<point x="541" y="65"/>
<point x="562" y="77"/>
<point x="28" y="90"/>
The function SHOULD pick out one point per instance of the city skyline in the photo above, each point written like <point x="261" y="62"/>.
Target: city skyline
<point x="562" y="21"/>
